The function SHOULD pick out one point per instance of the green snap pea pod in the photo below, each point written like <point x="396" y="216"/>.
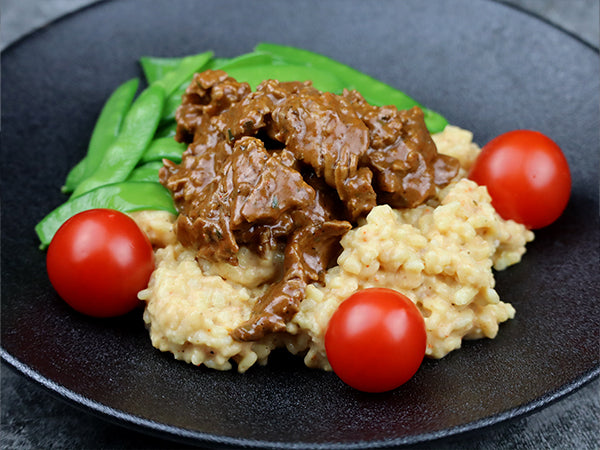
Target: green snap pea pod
<point x="215" y="62"/>
<point x="166" y="129"/>
<point x="105" y="132"/>
<point x="137" y="131"/>
<point x="146" y="172"/>
<point x="172" y="80"/>
<point x="155" y="68"/>
<point x="126" y="197"/>
<point x="163" y="148"/>
<point x="373" y="90"/>
<point x="172" y="103"/>
<point x="75" y="176"/>
<point x="245" y="60"/>
<point x="176" y="81"/>
<point x="254" y="75"/>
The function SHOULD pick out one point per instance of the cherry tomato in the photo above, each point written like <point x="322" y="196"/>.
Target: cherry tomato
<point x="526" y="175"/>
<point x="98" y="261"/>
<point x="376" y="340"/>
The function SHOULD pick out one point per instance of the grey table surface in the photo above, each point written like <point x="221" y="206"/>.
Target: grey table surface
<point x="31" y="418"/>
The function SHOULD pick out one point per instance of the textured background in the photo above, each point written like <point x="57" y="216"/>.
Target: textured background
<point x="31" y="418"/>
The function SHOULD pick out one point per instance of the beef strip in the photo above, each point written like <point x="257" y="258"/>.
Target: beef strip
<point x="209" y="94"/>
<point x="324" y="131"/>
<point x="308" y="253"/>
<point x="250" y="191"/>
<point x="407" y="167"/>
<point x="290" y="167"/>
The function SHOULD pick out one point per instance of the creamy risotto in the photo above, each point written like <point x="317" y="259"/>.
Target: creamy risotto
<point x="439" y="254"/>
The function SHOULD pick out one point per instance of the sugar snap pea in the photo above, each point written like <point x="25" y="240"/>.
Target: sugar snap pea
<point x="184" y="71"/>
<point x="166" y="129"/>
<point x="146" y="172"/>
<point x="217" y="62"/>
<point x="374" y="91"/>
<point x="105" y="132"/>
<point x="174" y="76"/>
<point x="172" y="103"/>
<point x="139" y="126"/>
<point x="163" y="148"/>
<point x="245" y="60"/>
<point x="255" y="74"/>
<point x="74" y="176"/>
<point x="128" y="196"/>
<point x="155" y="68"/>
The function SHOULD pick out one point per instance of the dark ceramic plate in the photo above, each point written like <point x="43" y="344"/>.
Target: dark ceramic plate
<point x="485" y="66"/>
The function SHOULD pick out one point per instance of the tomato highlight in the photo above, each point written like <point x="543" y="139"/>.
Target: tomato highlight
<point x="98" y="261"/>
<point x="376" y="340"/>
<point x="527" y="176"/>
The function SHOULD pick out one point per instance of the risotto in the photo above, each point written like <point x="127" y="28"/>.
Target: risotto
<point x="441" y="254"/>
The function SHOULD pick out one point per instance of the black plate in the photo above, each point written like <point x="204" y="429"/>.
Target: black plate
<point x="485" y="66"/>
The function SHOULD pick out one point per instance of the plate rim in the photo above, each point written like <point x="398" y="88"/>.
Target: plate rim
<point x="172" y="432"/>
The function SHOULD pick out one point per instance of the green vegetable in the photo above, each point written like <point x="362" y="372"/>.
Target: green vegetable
<point x="128" y="196"/>
<point x="146" y="172"/>
<point x="163" y="148"/>
<point x="215" y="63"/>
<point x="254" y="75"/>
<point x="374" y="91"/>
<point x="137" y="131"/>
<point x="174" y="75"/>
<point x="156" y="68"/>
<point x="105" y="131"/>
<point x="184" y="71"/>
<point x="171" y="105"/>
<point x="75" y="176"/>
<point x="245" y="60"/>
<point x="173" y="72"/>
<point x="166" y="129"/>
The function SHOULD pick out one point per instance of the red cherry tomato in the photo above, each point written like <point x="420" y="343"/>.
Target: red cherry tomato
<point x="526" y="175"/>
<point x="376" y="340"/>
<point x="98" y="261"/>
